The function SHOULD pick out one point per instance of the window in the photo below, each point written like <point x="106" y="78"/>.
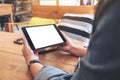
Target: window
<point x="47" y="2"/>
<point x="66" y="2"/>
<point x="69" y="2"/>
<point x="61" y="2"/>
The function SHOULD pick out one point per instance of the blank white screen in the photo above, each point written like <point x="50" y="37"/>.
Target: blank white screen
<point x="44" y="36"/>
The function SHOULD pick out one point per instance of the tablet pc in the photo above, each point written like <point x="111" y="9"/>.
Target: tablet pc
<point x="43" y="36"/>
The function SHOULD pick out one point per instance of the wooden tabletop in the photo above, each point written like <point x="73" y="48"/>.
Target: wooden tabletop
<point x="13" y="66"/>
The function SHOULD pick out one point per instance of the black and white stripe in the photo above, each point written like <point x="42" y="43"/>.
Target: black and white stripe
<point x="77" y="26"/>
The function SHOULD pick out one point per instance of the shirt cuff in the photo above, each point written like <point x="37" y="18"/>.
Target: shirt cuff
<point x="47" y="72"/>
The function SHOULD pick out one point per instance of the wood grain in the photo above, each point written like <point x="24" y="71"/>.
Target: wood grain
<point x="56" y="12"/>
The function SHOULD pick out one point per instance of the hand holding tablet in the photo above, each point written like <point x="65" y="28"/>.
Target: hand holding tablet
<point x="43" y="36"/>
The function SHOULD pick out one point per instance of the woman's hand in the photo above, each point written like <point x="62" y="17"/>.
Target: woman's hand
<point x="28" y="53"/>
<point x="68" y="44"/>
<point x="70" y="47"/>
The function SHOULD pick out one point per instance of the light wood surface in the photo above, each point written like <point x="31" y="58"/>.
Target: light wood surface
<point x="7" y="45"/>
<point x="13" y="66"/>
<point x="57" y="12"/>
<point x="12" y="63"/>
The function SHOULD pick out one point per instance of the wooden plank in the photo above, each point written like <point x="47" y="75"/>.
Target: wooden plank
<point x="5" y="9"/>
<point x="56" y="12"/>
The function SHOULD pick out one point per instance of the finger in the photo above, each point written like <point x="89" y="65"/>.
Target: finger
<point x="25" y="43"/>
<point x="65" y="36"/>
<point x="63" y="33"/>
<point x="36" y="51"/>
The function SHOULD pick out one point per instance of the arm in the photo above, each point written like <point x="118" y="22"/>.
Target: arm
<point x="79" y="51"/>
<point x="29" y="55"/>
<point x="39" y="71"/>
<point x="102" y="60"/>
<point x="72" y="48"/>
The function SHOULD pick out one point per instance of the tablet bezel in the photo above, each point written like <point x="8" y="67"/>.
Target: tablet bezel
<point x="30" y="41"/>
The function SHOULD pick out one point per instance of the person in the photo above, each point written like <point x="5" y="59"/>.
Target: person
<point x="101" y="61"/>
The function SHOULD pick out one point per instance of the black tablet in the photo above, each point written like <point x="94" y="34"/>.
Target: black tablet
<point x="43" y="36"/>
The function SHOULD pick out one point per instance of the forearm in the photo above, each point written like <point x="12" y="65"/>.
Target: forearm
<point x="35" y="68"/>
<point x="51" y="73"/>
<point x="79" y="51"/>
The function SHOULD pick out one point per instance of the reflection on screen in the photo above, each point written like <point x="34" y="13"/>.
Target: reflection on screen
<point x="44" y="36"/>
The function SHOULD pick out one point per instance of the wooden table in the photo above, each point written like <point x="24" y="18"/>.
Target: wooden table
<point x="13" y="66"/>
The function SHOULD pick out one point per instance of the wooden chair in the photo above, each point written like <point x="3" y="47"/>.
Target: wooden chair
<point x="21" y="8"/>
<point x="9" y="26"/>
<point x="6" y="9"/>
